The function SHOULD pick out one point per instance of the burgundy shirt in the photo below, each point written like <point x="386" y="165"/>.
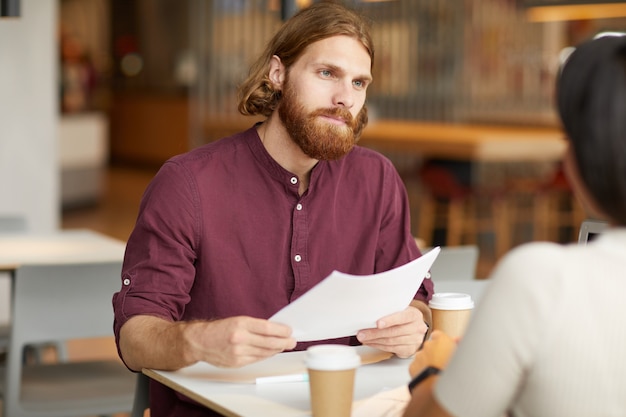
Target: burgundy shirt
<point x="222" y="231"/>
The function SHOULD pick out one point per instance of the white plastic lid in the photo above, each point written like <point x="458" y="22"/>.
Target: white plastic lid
<point x="451" y="301"/>
<point x="331" y="357"/>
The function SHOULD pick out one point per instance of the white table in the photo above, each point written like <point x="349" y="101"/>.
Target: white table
<point x="63" y="283"/>
<point x="288" y="399"/>
<point x="63" y="246"/>
<point x="59" y="247"/>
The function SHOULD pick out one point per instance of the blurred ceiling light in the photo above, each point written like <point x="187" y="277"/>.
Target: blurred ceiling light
<point x="131" y="64"/>
<point x="9" y="8"/>
<point x="559" y="11"/>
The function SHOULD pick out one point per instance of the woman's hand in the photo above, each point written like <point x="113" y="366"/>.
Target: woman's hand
<point x="436" y="352"/>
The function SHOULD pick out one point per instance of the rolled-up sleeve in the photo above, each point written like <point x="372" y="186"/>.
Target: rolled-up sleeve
<point x="158" y="270"/>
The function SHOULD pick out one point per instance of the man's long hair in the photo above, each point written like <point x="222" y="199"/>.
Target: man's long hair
<point x="314" y="23"/>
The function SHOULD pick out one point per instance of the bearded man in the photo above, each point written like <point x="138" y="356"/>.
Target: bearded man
<point x="233" y="231"/>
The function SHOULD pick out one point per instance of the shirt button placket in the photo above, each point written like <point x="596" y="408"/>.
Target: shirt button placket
<point x="298" y="258"/>
<point x="299" y="248"/>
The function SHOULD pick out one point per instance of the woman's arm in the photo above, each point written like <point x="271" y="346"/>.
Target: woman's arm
<point x="434" y="355"/>
<point x="423" y="403"/>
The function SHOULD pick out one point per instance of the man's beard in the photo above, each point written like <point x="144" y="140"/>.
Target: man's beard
<point x="317" y="138"/>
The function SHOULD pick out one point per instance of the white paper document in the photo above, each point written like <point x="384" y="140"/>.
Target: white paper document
<point x="342" y="304"/>
<point x="284" y="367"/>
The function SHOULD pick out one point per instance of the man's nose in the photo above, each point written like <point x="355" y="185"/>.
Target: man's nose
<point x="344" y="95"/>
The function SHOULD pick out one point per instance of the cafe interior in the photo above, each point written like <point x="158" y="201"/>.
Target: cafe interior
<point x="96" y="94"/>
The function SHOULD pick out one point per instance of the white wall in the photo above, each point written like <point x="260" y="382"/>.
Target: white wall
<point x="29" y="173"/>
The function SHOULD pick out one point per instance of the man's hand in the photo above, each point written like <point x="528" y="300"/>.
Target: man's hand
<point x="237" y="341"/>
<point x="152" y="342"/>
<point x="401" y="333"/>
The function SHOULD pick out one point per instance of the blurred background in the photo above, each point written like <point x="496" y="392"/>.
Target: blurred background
<point x="96" y="94"/>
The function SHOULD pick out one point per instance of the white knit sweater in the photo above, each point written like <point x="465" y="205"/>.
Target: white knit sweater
<point x="549" y="336"/>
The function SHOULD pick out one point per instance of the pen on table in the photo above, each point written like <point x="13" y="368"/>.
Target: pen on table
<point x="282" y="378"/>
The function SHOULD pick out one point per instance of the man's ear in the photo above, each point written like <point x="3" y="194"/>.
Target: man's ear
<point x="277" y="73"/>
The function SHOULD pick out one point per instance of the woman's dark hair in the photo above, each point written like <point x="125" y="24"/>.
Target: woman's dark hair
<point x="591" y="100"/>
<point x="314" y="23"/>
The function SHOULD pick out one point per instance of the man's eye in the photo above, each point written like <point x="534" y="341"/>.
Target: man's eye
<point x="325" y="73"/>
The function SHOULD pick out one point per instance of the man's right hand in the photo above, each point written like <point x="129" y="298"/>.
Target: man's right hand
<point x="152" y="342"/>
<point x="237" y="341"/>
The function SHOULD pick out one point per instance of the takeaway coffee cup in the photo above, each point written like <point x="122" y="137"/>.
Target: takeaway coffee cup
<point x="451" y="312"/>
<point x="331" y="371"/>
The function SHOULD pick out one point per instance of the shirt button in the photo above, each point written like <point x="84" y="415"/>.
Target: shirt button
<point x="294" y="180"/>
<point x="299" y="207"/>
<point x="126" y="281"/>
<point x="297" y="258"/>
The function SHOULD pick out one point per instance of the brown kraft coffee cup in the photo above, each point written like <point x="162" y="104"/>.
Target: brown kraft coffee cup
<point x="332" y="369"/>
<point x="451" y="312"/>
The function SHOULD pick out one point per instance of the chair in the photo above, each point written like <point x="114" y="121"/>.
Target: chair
<point x="5" y="329"/>
<point x="549" y="205"/>
<point x="142" y="396"/>
<point x="463" y="211"/>
<point x="63" y="302"/>
<point x="11" y="224"/>
<point x="557" y="211"/>
<point x="454" y="270"/>
<point x="589" y="229"/>
<point x="8" y="224"/>
<point x="455" y="263"/>
<point x="18" y="224"/>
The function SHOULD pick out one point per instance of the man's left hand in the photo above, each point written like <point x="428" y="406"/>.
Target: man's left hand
<point x="400" y="333"/>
